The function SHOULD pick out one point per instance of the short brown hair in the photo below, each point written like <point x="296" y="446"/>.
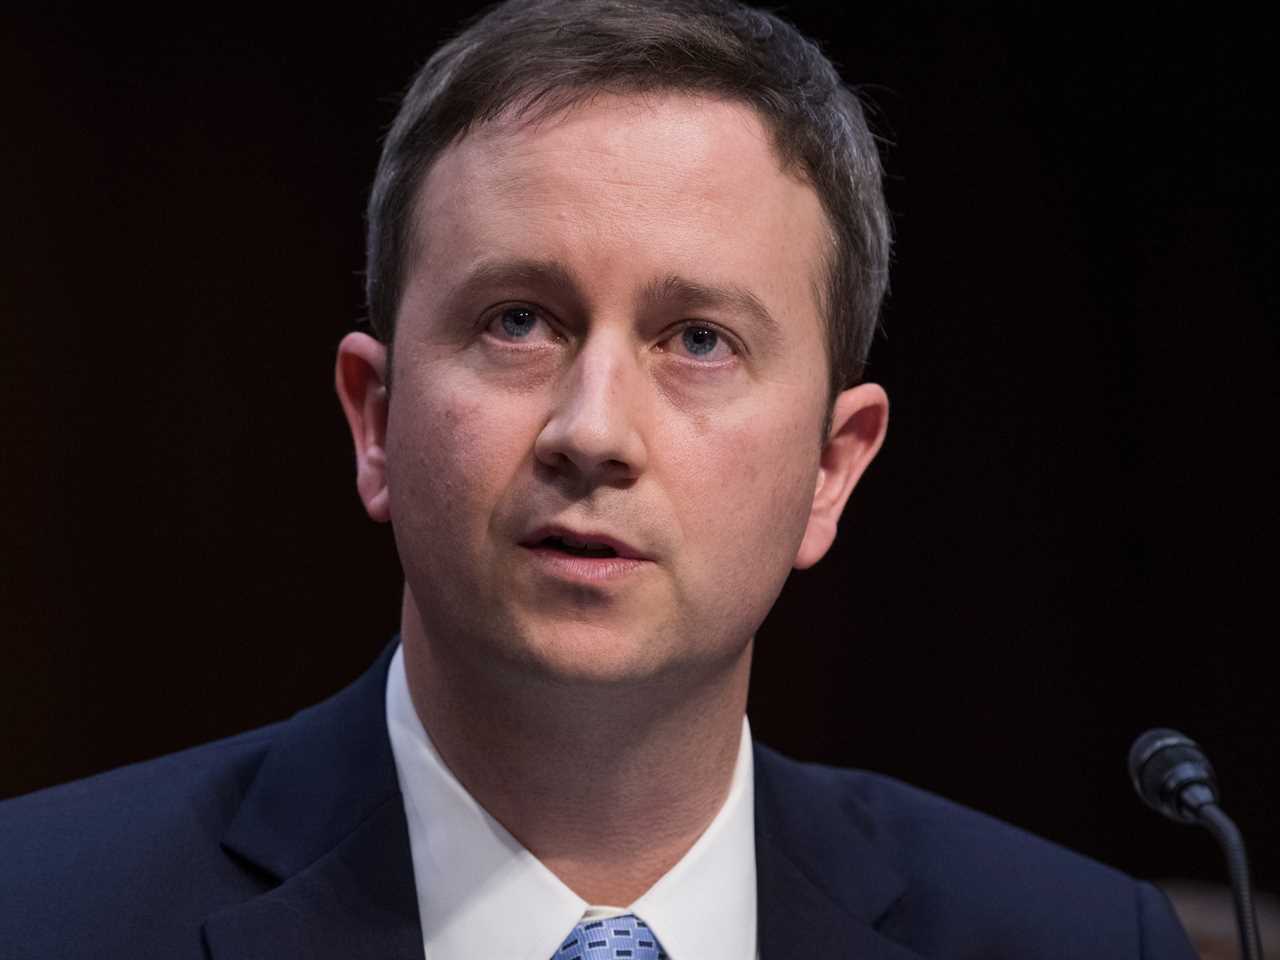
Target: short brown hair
<point x="544" y="56"/>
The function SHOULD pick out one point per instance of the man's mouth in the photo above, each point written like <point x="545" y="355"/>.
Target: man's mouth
<point x="592" y="544"/>
<point x="577" y="548"/>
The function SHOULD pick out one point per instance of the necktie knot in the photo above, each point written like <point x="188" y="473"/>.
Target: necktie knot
<point x="613" y="938"/>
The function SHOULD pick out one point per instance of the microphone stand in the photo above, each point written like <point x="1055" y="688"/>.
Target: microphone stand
<point x="1228" y="836"/>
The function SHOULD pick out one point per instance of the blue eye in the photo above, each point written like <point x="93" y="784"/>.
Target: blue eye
<point x="699" y="341"/>
<point x="518" y="321"/>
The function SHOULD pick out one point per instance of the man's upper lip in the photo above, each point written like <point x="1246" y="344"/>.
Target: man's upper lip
<point x="620" y="546"/>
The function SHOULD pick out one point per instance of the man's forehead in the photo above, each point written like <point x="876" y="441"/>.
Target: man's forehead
<point x="671" y="168"/>
<point x="716" y="139"/>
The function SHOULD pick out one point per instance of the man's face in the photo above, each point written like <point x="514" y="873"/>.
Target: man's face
<point x="609" y="329"/>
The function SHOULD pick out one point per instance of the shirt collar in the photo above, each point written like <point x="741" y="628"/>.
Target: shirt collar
<point x="469" y="870"/>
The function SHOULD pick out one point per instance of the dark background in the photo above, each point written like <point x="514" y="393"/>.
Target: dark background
<point x="1069" y="535"/>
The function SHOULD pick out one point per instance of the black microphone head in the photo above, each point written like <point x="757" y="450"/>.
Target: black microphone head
<point x="1172" y="774"/>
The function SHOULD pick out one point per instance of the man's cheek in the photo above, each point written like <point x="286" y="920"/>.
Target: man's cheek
<point x="446" y="449"/>
<point x="731" y="490"/>
<point x="713" y="459"/>
<point x="777" y="468"/>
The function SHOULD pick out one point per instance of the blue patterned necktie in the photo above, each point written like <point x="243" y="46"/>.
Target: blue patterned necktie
<point x="626" y="937"/>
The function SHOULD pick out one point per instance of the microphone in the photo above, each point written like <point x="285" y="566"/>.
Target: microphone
<point x="1172" y="775"/>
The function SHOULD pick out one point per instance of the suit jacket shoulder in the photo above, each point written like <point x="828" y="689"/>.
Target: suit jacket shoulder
<point x="130" y="857"/>
<point x="941" y="880"/>
<point x="287" y="841"/>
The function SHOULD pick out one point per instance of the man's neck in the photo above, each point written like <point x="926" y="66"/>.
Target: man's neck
<point x="637" y="769"/>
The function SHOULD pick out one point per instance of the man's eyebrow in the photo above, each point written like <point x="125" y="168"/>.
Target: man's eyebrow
<point x="498" y="273"/>
<point x="693" y="295"/>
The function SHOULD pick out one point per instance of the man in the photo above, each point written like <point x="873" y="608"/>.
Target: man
<point x="625" y="260"/>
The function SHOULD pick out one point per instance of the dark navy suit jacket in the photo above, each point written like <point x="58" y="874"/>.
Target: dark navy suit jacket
<point x="290" y="842"/>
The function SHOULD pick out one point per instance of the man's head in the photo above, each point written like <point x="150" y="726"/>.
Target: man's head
<point x="543" y="56"/>
<point x="609" y="326"/>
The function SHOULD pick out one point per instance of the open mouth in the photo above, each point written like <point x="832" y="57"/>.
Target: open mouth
<point x="577" y="548"/>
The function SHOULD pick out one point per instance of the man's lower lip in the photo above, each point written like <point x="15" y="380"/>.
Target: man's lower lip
<point x="594" y="569"/>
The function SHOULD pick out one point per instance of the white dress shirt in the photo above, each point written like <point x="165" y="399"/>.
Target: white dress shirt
<point x="480" y="893"/>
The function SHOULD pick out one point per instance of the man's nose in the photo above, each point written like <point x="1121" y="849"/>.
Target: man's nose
<point x="594" y="429"/>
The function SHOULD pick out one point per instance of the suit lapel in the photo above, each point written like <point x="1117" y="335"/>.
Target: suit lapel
<point x="324" y="819"/>
<point x="823" y="881"/>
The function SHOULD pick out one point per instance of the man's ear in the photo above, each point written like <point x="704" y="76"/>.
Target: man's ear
<point x="360" y="377"/>
<point x="858" y="423"/>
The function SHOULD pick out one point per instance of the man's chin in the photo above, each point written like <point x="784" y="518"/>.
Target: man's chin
<point x="589" y="655"/>
<point x="586" y="655"/>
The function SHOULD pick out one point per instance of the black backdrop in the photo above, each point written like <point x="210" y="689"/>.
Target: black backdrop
<point x="1068" y="537"/>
